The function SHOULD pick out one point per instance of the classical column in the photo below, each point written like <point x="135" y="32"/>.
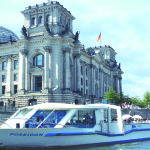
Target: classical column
<point x="55" y="15"/>
<point x="44" y="18"/>
<point x="67" y="68"/>
<point x="74" y="74"/>
<point x="78" y="70"/>
<point x="8" y="78"/>
<point x="46" y="66"/>
<point x="36" y="19"/>
<point x="56" y="63"/>
<point x="120" y="84"/>
<point x="102" y="83"/>
<point x="91" y="81"/>
<point x="23" y="53"/>
<point x="116" y="83"/>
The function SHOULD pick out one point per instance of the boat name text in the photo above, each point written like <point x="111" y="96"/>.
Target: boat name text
<point x="26" y="134"/>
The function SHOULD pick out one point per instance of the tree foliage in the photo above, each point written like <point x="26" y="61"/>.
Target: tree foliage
<point x="147" y="97"/>
<point x="138" y="102"/>
<point x="111" y="95"/>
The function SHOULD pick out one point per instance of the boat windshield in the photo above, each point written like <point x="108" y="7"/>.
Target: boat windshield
<point x="46" y="118"/>
<point x="22" y="113"/>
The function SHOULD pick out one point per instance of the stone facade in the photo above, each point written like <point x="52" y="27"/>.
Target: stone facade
<point x="53" y="65"/>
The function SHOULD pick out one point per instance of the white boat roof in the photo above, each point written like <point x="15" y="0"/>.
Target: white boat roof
<point x="53" y="106"/>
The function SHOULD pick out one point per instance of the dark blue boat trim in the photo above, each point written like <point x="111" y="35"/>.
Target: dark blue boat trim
<point x="119" y="142"/>
<point x="70" y="133"/>
<point x="91" y="133"/>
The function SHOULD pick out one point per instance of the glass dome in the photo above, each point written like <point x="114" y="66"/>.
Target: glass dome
<point x="6" y="35"/>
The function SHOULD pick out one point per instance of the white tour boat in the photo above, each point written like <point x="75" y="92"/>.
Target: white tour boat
<point x="56" y="124"/>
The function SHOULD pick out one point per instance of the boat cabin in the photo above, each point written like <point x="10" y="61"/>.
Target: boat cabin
<point x="97" y="117"/>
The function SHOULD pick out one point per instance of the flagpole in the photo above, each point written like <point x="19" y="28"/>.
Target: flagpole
<point x="101" y="42"/>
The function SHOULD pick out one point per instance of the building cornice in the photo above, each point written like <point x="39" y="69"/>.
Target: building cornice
<point x="8" y="47"/>
<point x="47" y="7"/>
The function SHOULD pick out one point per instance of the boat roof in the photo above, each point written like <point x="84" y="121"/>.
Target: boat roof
<point x="55" y="106"/>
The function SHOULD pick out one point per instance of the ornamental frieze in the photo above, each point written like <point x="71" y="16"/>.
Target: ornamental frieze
<point x="36" y="70"/>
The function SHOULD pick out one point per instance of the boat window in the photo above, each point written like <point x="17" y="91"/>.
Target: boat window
<point x="22" y="113"/>
<point x="113" y="115"/>
<point x="47" y="118"/>
<point x="83" y="119"/>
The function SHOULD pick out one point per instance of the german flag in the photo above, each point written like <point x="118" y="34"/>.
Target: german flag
<point x="99" y="37"/>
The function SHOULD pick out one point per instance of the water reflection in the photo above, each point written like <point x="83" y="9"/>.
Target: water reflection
<point x="127" y="146"/>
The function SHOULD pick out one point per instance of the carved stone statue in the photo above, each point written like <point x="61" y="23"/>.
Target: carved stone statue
<point x="24" y="31"/>
<point x="91" y="51"/>
<point x="77" y="36"/>
<point x="119" y="67"/>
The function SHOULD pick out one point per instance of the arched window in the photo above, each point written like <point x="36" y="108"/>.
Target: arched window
<point x="40" y="20"/>
<point x="38" y="60"/>
<point x="33" y="21"/>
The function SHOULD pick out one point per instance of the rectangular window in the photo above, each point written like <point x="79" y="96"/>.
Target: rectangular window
<point x="81" y="81"/>
<point x="82" y="91"/>
<point x="81" y="70"/>
<point x="86" y="71"/>
<point x="3" y="78"/>
<point x="15" y="89"/>
<point x="3" y="89"/>
<point x="86" y="82"/>
<point x="96" y="73"/>
<point x="86" y="92"/>
<point x="83" y="119"/>
<point x="4" y="64"/>
<point x="15" y="77"/>
<point x="15" y="64"/>
<point x="38" y="83"/>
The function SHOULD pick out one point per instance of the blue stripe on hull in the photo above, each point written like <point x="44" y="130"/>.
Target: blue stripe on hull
<point x="119" y="142"/>
<point x="91" y="133"/>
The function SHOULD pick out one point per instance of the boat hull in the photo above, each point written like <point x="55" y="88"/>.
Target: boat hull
<point x="71" y="137"/>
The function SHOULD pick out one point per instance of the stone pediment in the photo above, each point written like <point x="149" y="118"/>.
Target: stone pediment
<point x="36" y="70"/>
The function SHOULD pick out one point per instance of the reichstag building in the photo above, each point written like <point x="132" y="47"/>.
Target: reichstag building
<point x="48" y="63"/>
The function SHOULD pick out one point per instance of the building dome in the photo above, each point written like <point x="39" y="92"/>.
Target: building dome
<point x="7" y="35"/>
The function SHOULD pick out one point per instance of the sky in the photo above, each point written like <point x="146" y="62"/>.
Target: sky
<point x="124" y="25"/>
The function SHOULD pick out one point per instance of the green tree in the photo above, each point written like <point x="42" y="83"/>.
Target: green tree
<point x="142" y="104"/>
<point x="121" y="98"/>
<point x="127" y="100"/>
<point x="135" y="100"/>
<point x="147" y="97"/>
<point x="111" y="95"/>
<point x="138" y="102"/>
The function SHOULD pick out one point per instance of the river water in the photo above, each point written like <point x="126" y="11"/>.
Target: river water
<point x="144" y="145"/>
